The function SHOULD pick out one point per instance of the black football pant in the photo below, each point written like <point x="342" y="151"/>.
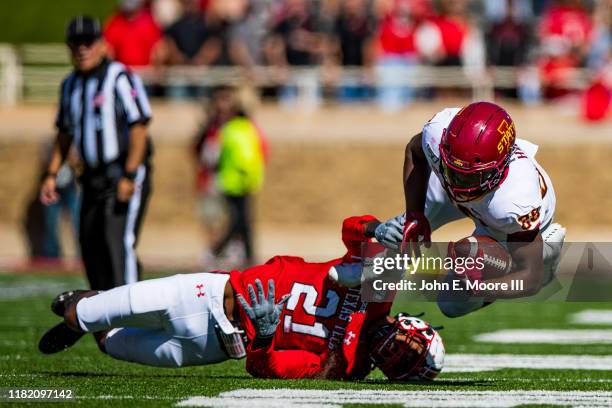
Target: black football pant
<point x="109" y="230"/>
<point x="239" y="225"/>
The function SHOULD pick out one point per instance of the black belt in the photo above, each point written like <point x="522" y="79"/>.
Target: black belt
<point x="102" y="177"/>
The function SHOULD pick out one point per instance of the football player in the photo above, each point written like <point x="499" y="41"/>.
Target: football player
<point x="311" y="322"/>
<point x="469" y="163"/>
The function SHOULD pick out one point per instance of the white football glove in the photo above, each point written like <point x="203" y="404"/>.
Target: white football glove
<point x="391" y="233"/>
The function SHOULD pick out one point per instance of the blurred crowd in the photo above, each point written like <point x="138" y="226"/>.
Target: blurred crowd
<point x="387" y="38"/>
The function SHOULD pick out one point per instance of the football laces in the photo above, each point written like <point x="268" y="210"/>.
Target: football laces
<point x="495" y="262"/>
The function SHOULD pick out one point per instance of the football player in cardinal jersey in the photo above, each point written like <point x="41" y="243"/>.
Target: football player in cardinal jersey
<point x="310" y="323"/>
<point x="469" y="163"/>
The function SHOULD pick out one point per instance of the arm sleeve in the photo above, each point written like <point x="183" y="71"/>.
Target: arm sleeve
<point x="61" y="119"/>
<point x="133" y="97"/>
<point x="286" y="364"/>
<point x="353" y="233"/>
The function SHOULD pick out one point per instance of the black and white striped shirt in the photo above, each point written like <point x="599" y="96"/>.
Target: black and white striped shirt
<point x="97" y="110"/>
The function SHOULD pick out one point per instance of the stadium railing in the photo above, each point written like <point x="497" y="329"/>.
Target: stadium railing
<point x="33" y="72"/>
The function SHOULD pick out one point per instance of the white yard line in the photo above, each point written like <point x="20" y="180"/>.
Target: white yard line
<point x="592" y="316"/>
<point x="292" y="398"/>
<point x="545" y="336"/>
<point x="19" y="290"/>
<point x="462" y="363"/>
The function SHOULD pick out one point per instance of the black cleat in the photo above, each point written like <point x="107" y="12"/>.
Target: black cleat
<point x="58" y="338"/>
<point x="63" y="300"/>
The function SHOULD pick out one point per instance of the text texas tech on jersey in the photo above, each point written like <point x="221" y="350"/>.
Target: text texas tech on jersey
<point x="320" y="330"/>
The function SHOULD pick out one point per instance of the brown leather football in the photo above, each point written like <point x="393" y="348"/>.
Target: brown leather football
<point x="496" y="259"/>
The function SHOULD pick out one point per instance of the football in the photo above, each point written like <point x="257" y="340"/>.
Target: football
<point x="496" y="259"/>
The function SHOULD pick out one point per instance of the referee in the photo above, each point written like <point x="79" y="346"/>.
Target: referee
<point x="103" y="113"/>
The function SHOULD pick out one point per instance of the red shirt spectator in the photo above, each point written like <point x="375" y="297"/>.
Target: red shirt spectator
<point x="452" y="32"/>
<point x="568" y="23"/>
<point x="397" y="29"/>
<point x="396" y="38"/>
<point x="565" y="33"/>
<point x="132" y="37"/>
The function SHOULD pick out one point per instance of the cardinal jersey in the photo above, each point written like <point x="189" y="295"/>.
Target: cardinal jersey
<point x="524" y="201"/>
<point x="322" y="325"/>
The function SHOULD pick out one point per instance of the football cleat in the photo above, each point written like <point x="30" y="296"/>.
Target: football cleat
<point x="64" y="300"/>
<point x="58" y="338"/>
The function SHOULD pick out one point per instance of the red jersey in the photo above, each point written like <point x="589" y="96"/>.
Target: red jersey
<point x="132" y="40"/>
<point x="321" y="326"/>
<point x="396" y="38"/>
<point x="453" y="32"/>
<point x="573" y="24"/>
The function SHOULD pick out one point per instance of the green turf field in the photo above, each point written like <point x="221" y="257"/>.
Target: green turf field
<point x="99" y="380"/>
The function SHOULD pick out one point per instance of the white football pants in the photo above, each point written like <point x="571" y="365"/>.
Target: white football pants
<point x="166" y="322"/>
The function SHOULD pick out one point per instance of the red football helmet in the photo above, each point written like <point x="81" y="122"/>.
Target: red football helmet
<point x="475" y="150"/>
<point x="407" y="349"/>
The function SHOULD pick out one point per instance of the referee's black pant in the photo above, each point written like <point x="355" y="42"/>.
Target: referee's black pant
<point x="109" y="229"/>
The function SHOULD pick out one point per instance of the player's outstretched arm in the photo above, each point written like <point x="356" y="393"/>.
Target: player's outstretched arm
<point x="357" y="230"/>
<point x="411" y="227"/>
<point x="415" y="175"/>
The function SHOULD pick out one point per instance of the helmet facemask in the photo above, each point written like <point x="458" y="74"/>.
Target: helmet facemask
<point x="466" y="181"/>
<point x="399" y="350"/>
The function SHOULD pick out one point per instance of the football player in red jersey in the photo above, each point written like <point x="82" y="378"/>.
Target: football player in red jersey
<point x="311" y="323"/>
<point x="469" y="163"/>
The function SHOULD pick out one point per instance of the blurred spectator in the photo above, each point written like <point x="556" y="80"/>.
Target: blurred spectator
<point x="251" y="28"/>
<point x="186" y="37"/>
<point x="212" y="207"/>
<point x="353" y="29"/>
<point x="294" y="42"/>
<point x="597" y="99"/>
<point x="600" y="52"/>
<point x="205" y="38"/>
<point x="69" y="203"/>
<point x="565" y="35"/>
<point x="42" y="223"/>
<point x="166" y="12"/>
<point x="350" y="45"/>
<point x="132" y="34"/>
<point x="453" y="25"/>
<point x="230" y="154"/>
<point x="397" y="52"/>
<point x="519" y="10"/>
<point x="508" y="38"/>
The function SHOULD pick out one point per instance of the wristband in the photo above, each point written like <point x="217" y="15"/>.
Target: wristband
<point x="370" y="228"/>
<point x="50" y="174"/>
<point x="262" y="342"/>
<point x="130" y="175"/>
